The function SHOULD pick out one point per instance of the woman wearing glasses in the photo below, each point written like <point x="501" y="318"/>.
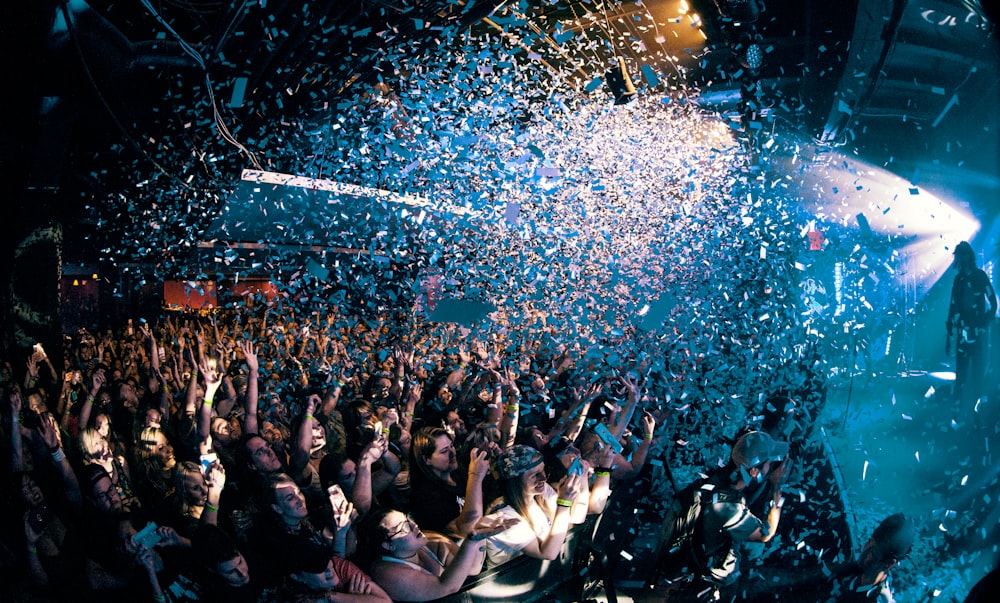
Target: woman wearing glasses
<point x="413" y="566"/>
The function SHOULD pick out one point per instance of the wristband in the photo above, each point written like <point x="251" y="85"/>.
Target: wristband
<point x="58" y="456"/>
<point x="512" y="407"/>
<point x="462" y="365"/>
<point x="512" y="415"/>
<point x="211" y="507"/>
<point x="604" y="473"/>
<point x="90" y="398"/>
<point x="32" y="550"/>
<point x="339" y="383"/>
<point x="562" y="502"/>
<point x="647" y="436"/>
<point x="159" y="598"/>
<point x="310" y="417"/>
<point x="779" y="504"/>
<point x="385" y="431"/>
<point x="209" y="402"/>
<point x="409" y="414"/>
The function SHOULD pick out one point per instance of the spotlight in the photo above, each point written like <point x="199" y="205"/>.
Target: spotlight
<point x="754" y="58"/>
<point x="620" y="83"/>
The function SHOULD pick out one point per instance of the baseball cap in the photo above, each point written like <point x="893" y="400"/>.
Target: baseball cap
<point x="756" y="448"/>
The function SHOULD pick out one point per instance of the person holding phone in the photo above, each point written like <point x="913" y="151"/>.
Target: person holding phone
<point x="543" y="513"/>
<point x="197" y="491"/>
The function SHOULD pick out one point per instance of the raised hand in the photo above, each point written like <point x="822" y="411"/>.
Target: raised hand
<point x="491" y="525"/>
<point x="249" y="355"/>
<point x="570" y="486"/>
<point x="479" y="463"/>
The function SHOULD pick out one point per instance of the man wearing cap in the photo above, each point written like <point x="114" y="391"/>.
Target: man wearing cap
<point x="973" y="307"/>
<point x="726" y="519"/>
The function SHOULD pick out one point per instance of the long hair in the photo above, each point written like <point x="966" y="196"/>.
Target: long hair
<point x="182" y="470"/>
<point x="90" y="444"/>
<point x="512" y="492"/>
<point x="422" y="447"/>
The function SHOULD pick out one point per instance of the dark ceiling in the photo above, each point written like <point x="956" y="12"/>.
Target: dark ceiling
<point x="119" y="98"/>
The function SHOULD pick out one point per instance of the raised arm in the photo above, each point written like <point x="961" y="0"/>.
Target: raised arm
<point x="548" y="547"/>
<point x="213" y="379"/>
<point x="250" y="425"/>
<point x="50" y="436"/>
<point x="472" y="510"/>
<point x="16" y="445"/>
<point x="96" y="383"/>
<point x="631" y="384"/>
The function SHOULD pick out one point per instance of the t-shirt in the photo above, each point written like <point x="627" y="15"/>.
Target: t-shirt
<point x="726" y="523"/>
<point x="508" y="544"/>
<point x="296" y="592"/>
<point x="433" y="505"/>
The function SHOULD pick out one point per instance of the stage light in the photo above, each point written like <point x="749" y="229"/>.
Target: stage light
<point x="620" y="83"/>
<point x="754" y="57"/>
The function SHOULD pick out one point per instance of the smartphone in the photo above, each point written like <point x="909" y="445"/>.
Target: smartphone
<point x="37" y="349"/>
<point x="207" y="460"/>
<point x="337" y="497"/>
<point x="148" y="536"/>
<point x="607" y="437"/>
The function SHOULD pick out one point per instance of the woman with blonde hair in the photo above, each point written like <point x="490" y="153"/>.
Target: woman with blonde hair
<point x="154" y="465"/>
<point x="95" y="449"/>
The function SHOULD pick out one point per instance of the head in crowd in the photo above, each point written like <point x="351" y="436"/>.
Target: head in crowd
<point x="338" y="469"/>
<point x="258" y="457"/>
<point x="286" y="499"/>
<point x="752" y="456"/>
<point x="433" y="453"/>
<point x="889" y="544"/>
<point x="217" y="553"/>
<point x="31" y="495"/>
<point x="312" y="570"/>
<point x="225" y="432"/>
<point x="378" y="388"/>
<point x="94" y="447"/>
<point x="100" y="491"/>
<point x="128" y="398"/>
<point x="395" y="534"/>
<point x="190" y="485"/>
<point x="522" y="474"/>
<point x="154" y="448"/>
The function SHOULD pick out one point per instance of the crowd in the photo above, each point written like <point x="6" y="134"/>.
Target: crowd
<point x="331" y="459"/>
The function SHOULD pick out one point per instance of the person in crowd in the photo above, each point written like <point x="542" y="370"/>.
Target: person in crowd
<point x="411" y="565"/>
<point x="544" y="514"/>
<point x="971" y="310"/>
<point x="435" y="491"/>
<point x="230" y="574"/>
<point x="95" y="449"/>
<point x="313" y="578"/>
<point x="155" y="465"/>
<point x="197" y="492"/>
<point x="726" y="520"/>
<point x="869" y="577"/>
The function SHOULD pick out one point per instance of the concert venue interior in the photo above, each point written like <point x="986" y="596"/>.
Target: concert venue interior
<point x="755" y="196"/>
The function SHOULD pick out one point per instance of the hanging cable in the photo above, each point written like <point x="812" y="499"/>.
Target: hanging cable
<point x="220" y="125"/>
